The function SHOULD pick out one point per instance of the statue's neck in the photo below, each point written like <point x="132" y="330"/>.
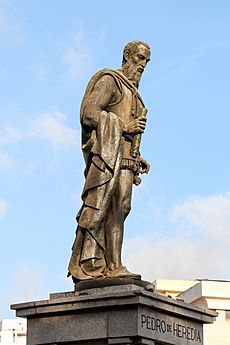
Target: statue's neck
<point x="129" y="77"/>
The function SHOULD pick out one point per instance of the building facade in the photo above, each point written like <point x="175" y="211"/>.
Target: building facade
<point x="13" y="332"/>
<point x="212" y="294"/>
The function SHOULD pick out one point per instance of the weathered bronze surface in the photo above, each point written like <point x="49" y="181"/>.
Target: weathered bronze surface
<point x="113" y="118"/>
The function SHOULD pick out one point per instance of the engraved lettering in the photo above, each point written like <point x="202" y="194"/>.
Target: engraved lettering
<point x="169" y="328"/>
<point x="149" y="322"/>
<point x="143" y="320"/>
<point x="189" y="333"/>
<point x="179" y="330"/>
<point x="184" y="332"/>
<point x="192" y="334"/>
<point x="158" y="324"/>
<point x="198" y="336"/>
<point x="153" y="323"/>
<point x="176" y="329"/>
<point x="163" y="326"/>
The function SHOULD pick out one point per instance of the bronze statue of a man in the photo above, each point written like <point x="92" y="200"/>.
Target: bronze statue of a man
<point x="113" y="117"/>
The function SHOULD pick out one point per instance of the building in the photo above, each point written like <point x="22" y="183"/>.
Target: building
<point x="212" y="294"/>
<point x="171" y="287"/>
<point x="13" y="332"/>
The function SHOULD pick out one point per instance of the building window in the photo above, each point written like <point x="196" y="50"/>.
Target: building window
<point x="227" y="315"/>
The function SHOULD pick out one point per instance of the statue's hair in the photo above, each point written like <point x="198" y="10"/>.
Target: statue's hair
<point x="131" y="47"/>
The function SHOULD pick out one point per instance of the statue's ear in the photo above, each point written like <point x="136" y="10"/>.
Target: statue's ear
<point x="126" y="55"/>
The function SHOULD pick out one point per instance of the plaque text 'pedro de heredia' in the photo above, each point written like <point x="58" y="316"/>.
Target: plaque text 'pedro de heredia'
<point x="174" y="329"/>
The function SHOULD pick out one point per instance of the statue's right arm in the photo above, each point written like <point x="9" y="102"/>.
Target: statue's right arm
<point x="105" y="91"/>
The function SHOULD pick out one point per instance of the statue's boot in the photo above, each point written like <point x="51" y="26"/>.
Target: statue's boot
<point x="122" y="272"/>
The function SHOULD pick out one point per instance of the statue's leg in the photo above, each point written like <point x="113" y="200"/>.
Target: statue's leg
<point x="114" y="225"/>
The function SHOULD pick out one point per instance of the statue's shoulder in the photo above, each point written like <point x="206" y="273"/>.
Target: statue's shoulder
<point x="105" y="71"/>
<point x="119" y="78"/>
<point x="117" y="75"/>
<point x="102" y="74"/>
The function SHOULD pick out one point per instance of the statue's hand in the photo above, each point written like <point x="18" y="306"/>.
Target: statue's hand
<point x="144" y="166"/>
<point x="136" y="126"/>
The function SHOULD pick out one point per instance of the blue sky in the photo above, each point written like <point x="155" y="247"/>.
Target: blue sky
<point x="180" y="219"/>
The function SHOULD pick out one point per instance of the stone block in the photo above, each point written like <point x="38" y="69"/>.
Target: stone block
<point x="116" y="314"/>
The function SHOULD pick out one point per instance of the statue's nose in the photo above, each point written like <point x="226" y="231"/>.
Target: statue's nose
<point x="144" y="62"/>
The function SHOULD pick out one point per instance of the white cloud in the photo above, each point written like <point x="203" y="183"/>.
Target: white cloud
<point x="208" y="215"/>
<point x="7" y="164"/>
<point x="11" y="31"/>
<point x="53" y="128"/>
<point x="77" y="61"/>
<point x="31" y="167"/>
<point x="9" y="134"/>
<point x="10" y="4"/>
<point x="31" y="286"/>
<point x="27" y="283"/>
<point x="76" y="54"/>
<point x="39" y="70"/>
<point x="3" y="208"/>
<point x="196" y="245"/>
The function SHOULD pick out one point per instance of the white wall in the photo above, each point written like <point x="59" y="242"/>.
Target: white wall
<point x="13" y="332"/>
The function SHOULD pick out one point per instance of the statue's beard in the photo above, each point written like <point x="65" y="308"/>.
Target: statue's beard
<point x="132" y="73"/>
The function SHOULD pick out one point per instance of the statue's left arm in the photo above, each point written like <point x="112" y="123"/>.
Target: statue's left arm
<point x="103" y="93"/>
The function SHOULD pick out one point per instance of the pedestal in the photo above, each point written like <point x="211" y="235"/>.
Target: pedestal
<point x="120" y="314"/>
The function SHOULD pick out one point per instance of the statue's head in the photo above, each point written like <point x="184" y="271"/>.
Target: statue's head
<point x="136" y="55"/>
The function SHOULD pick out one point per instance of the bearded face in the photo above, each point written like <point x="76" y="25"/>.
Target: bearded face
<point x="132" y="73"/>
<point x="136" y="63"/>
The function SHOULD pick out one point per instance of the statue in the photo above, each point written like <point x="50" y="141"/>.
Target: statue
<point x="113" y="118"/>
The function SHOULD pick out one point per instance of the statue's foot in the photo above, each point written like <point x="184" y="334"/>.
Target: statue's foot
<point x="122" y="272"/>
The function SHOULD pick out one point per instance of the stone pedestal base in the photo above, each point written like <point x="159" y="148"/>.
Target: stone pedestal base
<point x="120" y="314"/>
